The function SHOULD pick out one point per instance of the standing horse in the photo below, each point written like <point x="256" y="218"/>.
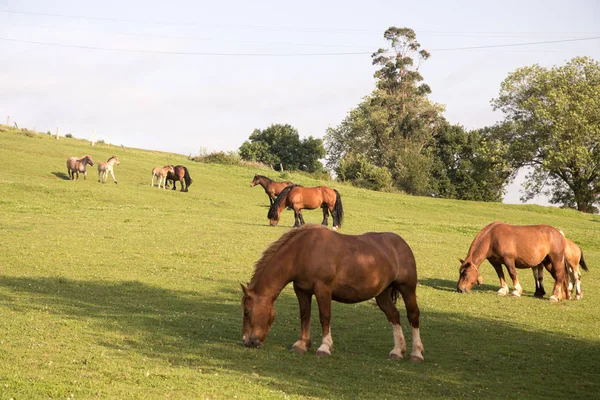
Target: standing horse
<point x="181" y="174"/>
<point x="573" y="258"/>
<point x="76" y="165"/>
<point x="516" y="247"/>
<point x="298" y="197"/>
<point x="332" y="266"/>
<point x="161" y="175"/>
<point x="105" y="167"/>
<point x="272" y="188"/>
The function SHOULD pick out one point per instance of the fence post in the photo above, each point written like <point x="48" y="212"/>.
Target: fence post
<point x="57" y="133"/>
<point x="8" y="121"/>
<point x="93" y="137"/>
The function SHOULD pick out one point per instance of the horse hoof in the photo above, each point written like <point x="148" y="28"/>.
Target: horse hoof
<point x="394" y="356"/>
<point x="501" y="293"/>
<point x="515" y="293"/>
<point x="322" y="353"/>
<point x="554" y="299"/>
<point x="297" y="350"/>
<point x="579" y="297"/>
<point x="416" y="359"/>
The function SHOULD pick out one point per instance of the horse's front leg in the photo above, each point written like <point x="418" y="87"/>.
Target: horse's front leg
<point x="304" y="300"/>
<point x="323" y="295"/>
<point x="385" y="303"/>
<point x="99" y="176"/>
<point x="113" y="176"/>
<point x="556" y="268"/>
<point x="503" y="291"/>
<point x="512" y="271"/>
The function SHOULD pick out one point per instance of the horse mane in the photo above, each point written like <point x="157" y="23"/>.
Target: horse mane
<point x="111" y="158"/>
<point x="282" y="195"/>
<point x="270" y="252"/>
<point x="479" y="237"/>
<point x="262" y="176"/>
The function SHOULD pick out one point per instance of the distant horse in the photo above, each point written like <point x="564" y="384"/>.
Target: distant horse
<point x="161" y="175"/>
<point x="181" y="174"/>
<point x="105" y="167"/>
<point x="298" y="198"/>
<point x="332" y="266"/>
<point x="516" y="247"/>
<point x="272" y="188"/>
<point x="76" y="165"/>
<point x="573" y="258"/>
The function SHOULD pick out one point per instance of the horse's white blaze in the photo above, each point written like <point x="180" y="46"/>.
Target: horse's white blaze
<point x="326" y="344"/>
<point x="417" y="345"/>
<point x="399" y="341"/>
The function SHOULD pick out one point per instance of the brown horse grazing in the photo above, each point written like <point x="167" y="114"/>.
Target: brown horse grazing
<point x="76" y="165"/>
<point x="272" y="188"/>
<point x="516" y="247"/>
<point x="298" y="197"/>
<point x="105" y="167"/>
<point x="161" y="175"/>
<point x="181" y="174"/>
<point x="573" y="258"/>
<point x="332" y="266"/>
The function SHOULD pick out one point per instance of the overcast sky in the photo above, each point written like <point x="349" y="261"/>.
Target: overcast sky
<point x="184" y="75"/>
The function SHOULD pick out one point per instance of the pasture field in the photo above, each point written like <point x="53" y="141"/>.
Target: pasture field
<point x="128" y="291"/>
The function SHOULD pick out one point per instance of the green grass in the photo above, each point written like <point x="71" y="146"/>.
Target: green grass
<point x="128" y="291"/>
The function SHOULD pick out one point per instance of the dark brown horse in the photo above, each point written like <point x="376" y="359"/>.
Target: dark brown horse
<point x="298" y="198"/>
<point x="573" y="259"/>
<point x="76" y="165"/>
<point x="515" y="246"/>
<point x="272" y="188"/>
<point x="332" y="266"/>
<point x="181" y="174"/>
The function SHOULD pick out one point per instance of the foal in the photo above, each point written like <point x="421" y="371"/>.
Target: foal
<point x="76" y="165"/>
<point x="105" y="167"/>
<point x="161" y="174"/>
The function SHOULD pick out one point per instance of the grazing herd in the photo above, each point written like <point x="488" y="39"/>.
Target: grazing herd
<point x="353" y="268"/>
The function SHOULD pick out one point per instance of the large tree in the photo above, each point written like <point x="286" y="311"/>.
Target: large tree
<point x="554" y="120"/>
<point x="280" y="146"/>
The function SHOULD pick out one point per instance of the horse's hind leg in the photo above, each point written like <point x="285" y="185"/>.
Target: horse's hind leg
<point x="325" y="215"/>
<point x="538" y="276"/>
<point x="385" y="303"/>
<point x="503" y="291"/>
<point x="304" y="300"/>
<point x="409" y="295"/>
<point x="323" y="295"/>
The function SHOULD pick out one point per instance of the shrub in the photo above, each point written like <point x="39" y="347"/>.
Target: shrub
<point x="68" y="135"/>
<point x="229" y="158"/>
<point x="358" y="170"/>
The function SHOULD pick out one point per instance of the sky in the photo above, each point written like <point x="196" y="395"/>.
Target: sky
<point x="195" y="76"/>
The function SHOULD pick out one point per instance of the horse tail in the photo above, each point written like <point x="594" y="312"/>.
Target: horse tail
<point x="187" y="177"/>
<point x="582" y="262"/>
<point x="275" y="206"/>
<point x="338" y="210"/>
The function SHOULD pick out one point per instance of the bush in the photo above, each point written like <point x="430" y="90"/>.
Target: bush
<point x="229" y="158"/>
<point x="68" y="135"/>
<point x="360" y="172"/>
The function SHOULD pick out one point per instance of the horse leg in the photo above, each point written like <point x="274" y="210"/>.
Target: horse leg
<point x="325" y="215"/>
<point x="84" y="175"/>
<point x="557" y="269"/>
<point x="174" y="184"/>
<point x="512" y="271"/>
<point x="323" y="295"/>
<point x="538" y="277"/>
<point x="296" y="219"/>
<point x="99" y="175"/>
<point x="409" y="295"/>
<point x="183" y="189"/>
<point x="304" y="300"/>
<point x="577" y="280"/>
<point x="113" y="176"/>
<point x="301" y="217"/>
<point x="503" y="291"/>
<point x="385" y="303"/>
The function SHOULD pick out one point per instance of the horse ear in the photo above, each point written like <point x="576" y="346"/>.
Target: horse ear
<point x="461" y="261"/>
<point x="479" y="279"/>
<point x="244" y="289"/>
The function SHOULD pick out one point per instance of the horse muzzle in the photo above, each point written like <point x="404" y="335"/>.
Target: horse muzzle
<point x="252" y="342"/>
<point x="462" y="290"/>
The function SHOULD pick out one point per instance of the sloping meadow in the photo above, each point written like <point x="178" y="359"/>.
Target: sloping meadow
<point x="129" y="291"/>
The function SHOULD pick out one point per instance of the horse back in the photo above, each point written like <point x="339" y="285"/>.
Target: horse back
<point x="529" y="244"/>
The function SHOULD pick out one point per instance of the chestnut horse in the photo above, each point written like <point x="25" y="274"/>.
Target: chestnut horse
<point x="272" y="188"/>
<point x="333" y="266"/>
<point x="161" y="175"/>
<point x="573" y="258"/>
<point x="298" y="197"/>
<point x="105" y="167"/>
<point x="515" y="246"/>
<point x="76" y="165"/>
<point x="181" y="174"/>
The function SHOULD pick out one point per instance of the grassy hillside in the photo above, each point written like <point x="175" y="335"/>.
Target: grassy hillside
<point x="128" y="291"/>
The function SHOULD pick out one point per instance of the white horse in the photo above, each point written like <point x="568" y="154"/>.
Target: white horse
<point x="105" y="167"/>
<point x="161" y="174"/>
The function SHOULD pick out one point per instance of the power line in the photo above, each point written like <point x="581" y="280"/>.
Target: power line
<point x="191" y="53"/>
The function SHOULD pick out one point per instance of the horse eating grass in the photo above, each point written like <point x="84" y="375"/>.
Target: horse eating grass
<point x="516" y="247"/>
<point x="105" y="167"/>
<point x="76" y="165"/>
<point x="272" y="188"/>
<point x="181" y="174"/>
<point x="333" y="266"/>
<point x="161" y="175"/>
<point x="298" y="197"/>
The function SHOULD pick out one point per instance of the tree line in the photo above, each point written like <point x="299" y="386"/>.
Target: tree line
<point x="396" y="138"/>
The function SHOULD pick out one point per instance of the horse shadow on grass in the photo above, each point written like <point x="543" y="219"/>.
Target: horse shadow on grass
<point x="450" y="286"/>
<point x="61" y="175"/>
<point x="189" y="329"/>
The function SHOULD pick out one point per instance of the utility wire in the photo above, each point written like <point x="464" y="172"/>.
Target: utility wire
<point x="191" y="53"/>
